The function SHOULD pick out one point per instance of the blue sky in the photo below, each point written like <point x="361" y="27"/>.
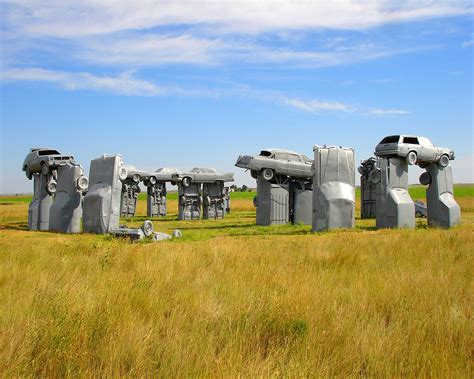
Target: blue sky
<point x="184" y="84"/>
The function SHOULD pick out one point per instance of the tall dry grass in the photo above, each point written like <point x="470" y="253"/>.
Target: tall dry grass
<point x="380" y="303"/>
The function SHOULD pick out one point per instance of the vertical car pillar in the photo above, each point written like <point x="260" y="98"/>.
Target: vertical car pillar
<point x="227" y="199"/>
<point x="334" y="188"/>
<point x="272" y="202"/>
<point x="443" y="210"/>
<point x="189" y="197"/>
<point x="213" y="204"/>
<point x="66" y="209"/>
<point x="301" y="194"/>
<point x="367" y="188"/>
<point x="394" y="206"/>
<point x="40" y="205"/>
<point x="102" y="202"/>
<point x="156" y="199"/>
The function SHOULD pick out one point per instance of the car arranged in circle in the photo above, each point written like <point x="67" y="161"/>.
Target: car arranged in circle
<point x="271" y="162"/>
<point x="416" y="150"/>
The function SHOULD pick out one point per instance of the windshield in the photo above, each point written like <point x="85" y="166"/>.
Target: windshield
<point x="265" y="153"/>
<point x="390" y="139"/>
<point x="48" y="152"/>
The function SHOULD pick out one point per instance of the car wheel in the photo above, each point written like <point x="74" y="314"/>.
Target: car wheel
<point x="173" y="183"/>
<point x="136" y="178"/>
<point x="425" y="178"/>
<point x="44" y="168"/>
<point x="28" y="173"/>
<point x="375" y="176"/>
<point x="182" y="200"/>
<point x="254" y="174"/>
<point x="412" y="157"/>
<point x="123" y="173"/>
<point x="82" y="183"/>
<point x="152" y="180"/>
<point x="444" y="161"/>
<point x="147" y="228"/>
<point x="186" y="181"/>
<point x="51" y="187"/>
<point x="268" y="174"/>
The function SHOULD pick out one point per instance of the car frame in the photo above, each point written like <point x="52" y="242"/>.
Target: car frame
<point x="271" y="162"/>
<point x="44" y="160"/>
<point x="415" y="149"/>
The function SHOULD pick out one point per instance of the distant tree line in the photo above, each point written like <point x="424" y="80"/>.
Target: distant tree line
<point x="244" y="188"/>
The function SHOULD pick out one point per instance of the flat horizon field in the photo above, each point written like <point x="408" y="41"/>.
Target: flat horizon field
<point x="234" y="299"/>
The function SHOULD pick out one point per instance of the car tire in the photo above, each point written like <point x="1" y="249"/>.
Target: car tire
<point x="51" y="187"/>
<point x="268" y="174"/>
<point x="173" y="183"/>
<point x="182" y="200"/>
<point x="375" y="176"/>
<point x="186" y="182"/>
<point x="412" y="158"/>
<point x="82" y="183"/>
<point x="123" y="173"/>
<point x="28" y="173"/>
<point x="254" y="174"/>
<point x="147" y="228"/>
<point x="425" y="179"/>
<point x="44" y="168"/>
<point x="361" y="170"/>
<point x="136" y="178"/>
<point x="444" y="161"/>
<point x="152" y="180"/>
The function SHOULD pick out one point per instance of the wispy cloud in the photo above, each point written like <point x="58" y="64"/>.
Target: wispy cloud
<point x="123" y="84"/>
<point x="385" y="112"/>
<point x="127" y="84"/>
<point x="469" y="42"/>
<point x="93" y="17"/>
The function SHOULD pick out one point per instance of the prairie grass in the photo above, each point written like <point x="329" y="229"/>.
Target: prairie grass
<point x="234" y="299"/>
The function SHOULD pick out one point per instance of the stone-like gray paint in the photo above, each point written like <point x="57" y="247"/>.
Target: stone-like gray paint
<point x="40" y="205"/>
<point x="334" y="188"/>
<point x="367" y="188"/>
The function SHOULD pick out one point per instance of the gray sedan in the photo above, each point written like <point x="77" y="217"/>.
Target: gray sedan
<point x="44" y="160"/>
<point x="273" y="162"/>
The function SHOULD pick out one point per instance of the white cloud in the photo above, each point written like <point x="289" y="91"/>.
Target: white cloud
<point x="469" y="42"/>
<point x="63" y="19"/>
<point x="124" y="84"/>
<point x="318" y="105"/>
<point x="385" y="112"/>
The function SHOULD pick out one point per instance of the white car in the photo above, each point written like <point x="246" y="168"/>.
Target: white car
<point x="416" y="150"/>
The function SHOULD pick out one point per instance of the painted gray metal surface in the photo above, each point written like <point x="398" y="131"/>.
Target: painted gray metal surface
<point x="40" y="205"/>
<point x="202" y="175"/>
<point x="420" y="209"/>
<point x="227" y="199"/>
<point x="66" y="209"/>
<point x="131" y="190"/>
<point x="213" y="200"/>
<point x="102" y="201"/>
<point x="156" y="191"/>
<point x="334" y="188"/>
<point x="443" y="210"/>
<point x="302" y="206"/>
<point x="394" y="206"/>
<point x="367" y="188"/>
<point x="189" y="201"/>
<point x="272" y="202"/>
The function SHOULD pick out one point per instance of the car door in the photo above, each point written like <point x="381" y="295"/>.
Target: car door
<point x="295" y="165"/>
<point x="281" y="163"/>
<point x="428" y="151"/>
<point x="412" y="144"/>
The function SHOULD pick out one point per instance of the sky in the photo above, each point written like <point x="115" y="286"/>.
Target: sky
<point x="196" y="83"/>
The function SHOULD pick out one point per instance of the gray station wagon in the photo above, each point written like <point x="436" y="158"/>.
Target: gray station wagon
<point x="202" y="175"/>
<point x="416" y="150"/>
<point x="271" y="162"/>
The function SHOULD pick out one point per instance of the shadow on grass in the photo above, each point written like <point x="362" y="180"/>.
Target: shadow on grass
<point x="15" y="225"/>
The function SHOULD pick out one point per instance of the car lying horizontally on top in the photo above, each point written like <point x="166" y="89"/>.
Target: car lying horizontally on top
<point x="273" y="162"/>
<point x="416" y="150"/>
<point x="42" y="159"/>
<point x="202" y="175"/>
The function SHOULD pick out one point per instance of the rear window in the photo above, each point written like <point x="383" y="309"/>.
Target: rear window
<point x="390" y="139"/>
<point x="48" y="152"/>
<point x="265" y="153"/>
<point x="411" y="140"/>
<point x="293" y="158"/>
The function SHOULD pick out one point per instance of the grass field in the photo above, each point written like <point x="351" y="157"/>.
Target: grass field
<point x="234" y="299"/>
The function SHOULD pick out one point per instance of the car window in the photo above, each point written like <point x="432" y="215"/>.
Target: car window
<point x="281" y="156"/>
<point x="305" y="158"/>
<point x="48" y="152"/>
<point x="425" y="142"/>
<point x="390" y="139"/>
<point x="411" y="140"/>
<point x="293" y="158"/>
<point x="265" y="153"/>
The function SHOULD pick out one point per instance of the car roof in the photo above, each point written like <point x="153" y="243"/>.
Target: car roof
<point x="41" y="148"/>
<point x="273" y="150"/>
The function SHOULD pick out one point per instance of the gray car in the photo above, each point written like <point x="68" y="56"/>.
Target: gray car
<point x="271" y="162"/>
<point x="202" y="175"/>
<point x="416" y="150"/>
<point x="43" y="159"/>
